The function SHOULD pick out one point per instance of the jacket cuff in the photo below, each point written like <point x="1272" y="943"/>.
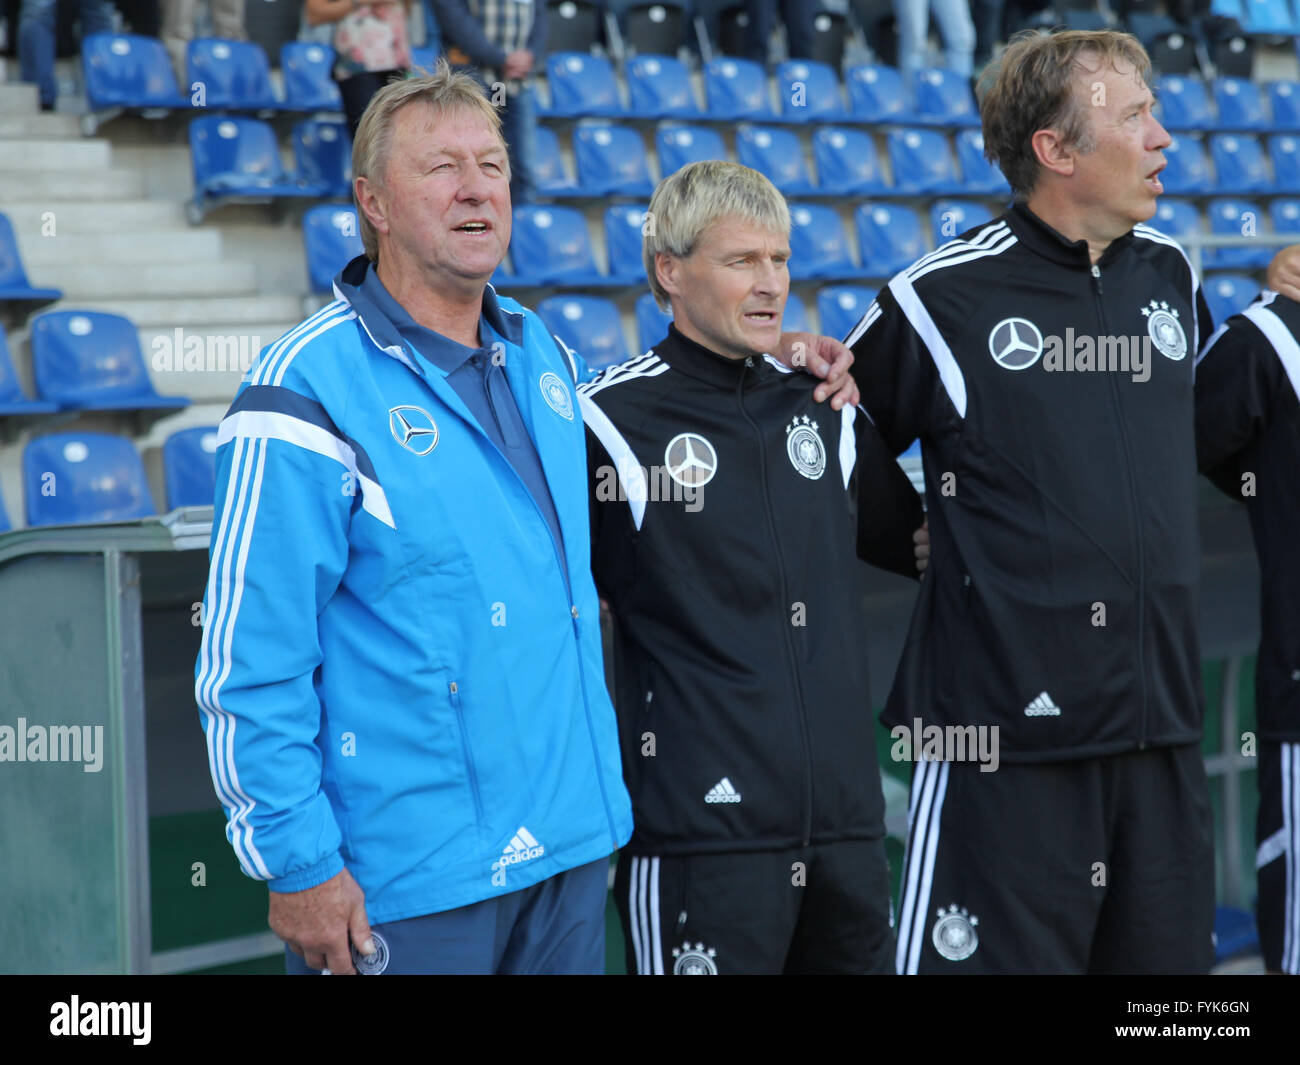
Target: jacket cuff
<point x="302" y="879"/>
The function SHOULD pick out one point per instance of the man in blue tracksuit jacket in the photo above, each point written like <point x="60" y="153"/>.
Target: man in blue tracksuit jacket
<point x="401" y="678"/>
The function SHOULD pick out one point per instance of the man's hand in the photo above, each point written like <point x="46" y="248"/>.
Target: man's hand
<point x="921" y="546"/>
<point x="317" y="923"/>
<point x="1284" y="273"/>
<point x="519" y="64"/>
<point x="821" y="357"/>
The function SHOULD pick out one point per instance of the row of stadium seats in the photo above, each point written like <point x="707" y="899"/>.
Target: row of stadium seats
<point x="611" y="160"/>
<point x="82" y="360"/>
<point x="78" y="478"/>
<point x="1228" y="104"/>
<point x="14" y="284"/>
<point x="1241" y="165"/>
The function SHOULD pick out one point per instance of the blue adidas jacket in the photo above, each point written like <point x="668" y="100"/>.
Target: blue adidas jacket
<point x="396" y="674"/>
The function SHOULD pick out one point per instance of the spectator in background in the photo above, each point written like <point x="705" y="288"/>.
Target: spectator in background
<point x="505" y="40"/>
<point x="954" y="19"/>
<point x="987" y="16"/>
<point x="798" y="19"/>
<point x="36" y="29"/>
<point x="178" y="29"/>
<point x="371" y="42"/>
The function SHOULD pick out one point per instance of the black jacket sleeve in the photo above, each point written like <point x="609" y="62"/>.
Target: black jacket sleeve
<point x="1237" y="380"/>
<point x="889" y="508"/>
<point x="895" y="373"/>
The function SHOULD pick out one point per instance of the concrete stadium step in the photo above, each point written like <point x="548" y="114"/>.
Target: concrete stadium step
<point x="58" y="184"/>
<point x="17" y="98"/>
<point x="209" y="371"/>
<point x="29" y="217"/>
<point x="24" y="155"/>
<point x="159" y="280"/>
<point x="197" y="314"/>
<point x="114" y="250"/>
<point x="42" y="126"/>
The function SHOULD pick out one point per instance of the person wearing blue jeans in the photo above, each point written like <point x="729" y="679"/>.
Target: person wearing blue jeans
<point x="954" y="19"/>
<point x="36" y="29"/>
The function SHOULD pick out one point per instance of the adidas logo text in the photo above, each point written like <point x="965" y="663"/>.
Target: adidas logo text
<point x="722" y="791"/>
<point x="521" y="848"/>
<point x="1042" y="706"/>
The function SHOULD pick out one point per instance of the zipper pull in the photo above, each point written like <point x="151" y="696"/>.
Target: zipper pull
<point x="681" y="921"/>
<point x="1096" y="273"/>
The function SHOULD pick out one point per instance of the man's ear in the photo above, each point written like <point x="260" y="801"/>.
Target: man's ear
<point x="668" y="271"/>
<point x="1052" y="152"/>
<point x="370" y="202"/>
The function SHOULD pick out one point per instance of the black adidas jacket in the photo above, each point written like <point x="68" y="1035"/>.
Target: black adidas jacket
<point x="741" y="681"/>
<point x="1248" y="443"/>
<point x="1061" y="599"/>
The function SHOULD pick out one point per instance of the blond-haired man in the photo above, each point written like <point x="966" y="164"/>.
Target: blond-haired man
<point x="750" y="755"/>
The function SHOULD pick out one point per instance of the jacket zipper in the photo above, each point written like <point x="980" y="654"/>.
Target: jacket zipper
<point x="785" y="598"/>
<point x="1137" y="517"/>
<point x="470" y="768"/>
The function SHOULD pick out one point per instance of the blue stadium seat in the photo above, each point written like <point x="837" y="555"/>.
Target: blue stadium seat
<point x="810" y="92"/>
<point x="322" y="152"/>
<point x="1229" y="293"/>
<point x="1239" y="164"/>
<point x="14" y="285"/>
<point x="1284" y="154"/>
<point x="1269" y="17"/>
<point x="1188" y="170"/>
<point x="1226" y="8"/>
<point x="581" y="84"/>
<point x="237" y="158"/>
<point x="978" y="175"/>
<point x="846" y="162"/>
<point x="1285" y="216"/>
<point x="309" y="83"/>
<point x="123" y="70"/>
<point x="949" y="219"/>
<point x="623" y="225"/>
<point x="1284" y="103"/>
<point x="819" y="247"/>
<point x="611" y="161"/>
<point x="776" y="153"/>
<point x="1236" y="218"/>
<point x="1240" y="104"/>
<point x="1184" y="103"/>
<point x="922" y="163"/>
<point x="651" y="322"/>
<point x="13" y="400"/>
<point x="589" y="325"/>
<point x="549" y="174"/>
<point x="736" y="89"/>
<point x="680" y="145"/>
<point x="424" y="58"/>
<point x="550" y="246"/>
<point x="190" y="467"/>
<point x="889" y="238"/>
<point x="78" y="478"/>
<point x="841" y="307"/>
<point x="331" y="239"/>
<point x="944" y="98"/>
<point x="876" y="94"/>
<point x="659" y="86"/>
<point x="91" y="360"/>
<point x="4" y="517"/>
<point x="1177" y="219"/>
<point x="794" y="319"/>
<point x="233" y="74"/>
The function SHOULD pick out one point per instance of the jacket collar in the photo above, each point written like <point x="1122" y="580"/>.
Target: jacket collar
<point x="1039" y="237"/>
<point x="686" y="356"/>
<point x="385" y="320"/>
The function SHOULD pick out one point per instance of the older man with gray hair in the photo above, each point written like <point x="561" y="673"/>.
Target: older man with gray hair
<point x="401" y="677"/>
<point x="744" y="709"/>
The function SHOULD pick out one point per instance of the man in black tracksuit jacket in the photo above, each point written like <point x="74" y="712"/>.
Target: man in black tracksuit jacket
<point x="723" y="538"/>
<point x="1248" y="443"/>
<point x="1049" y="378"/>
